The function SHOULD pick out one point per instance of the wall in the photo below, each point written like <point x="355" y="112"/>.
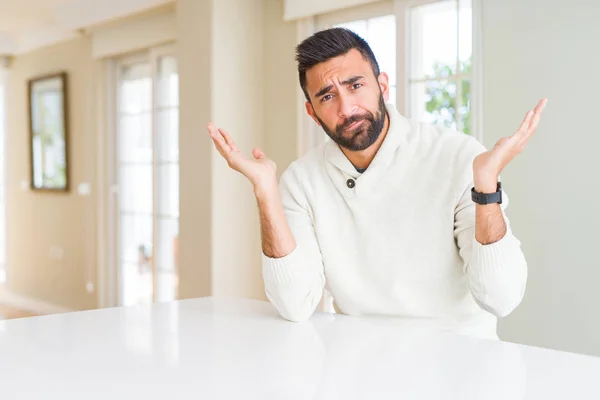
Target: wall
<point x="535" y="49"/>
<point x="256" y="105"/>
<point x="38" y="221"/>
<point x="194" y="28"/>
<point x="280" y="86"/>
<point x="237" y="96"/>
<point x="221" y="48"/>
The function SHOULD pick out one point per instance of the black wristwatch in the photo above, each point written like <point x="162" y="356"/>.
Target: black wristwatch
<point x="487" y="198"/>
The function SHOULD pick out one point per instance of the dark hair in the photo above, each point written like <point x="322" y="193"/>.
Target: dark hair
<point x="327" y="44"/>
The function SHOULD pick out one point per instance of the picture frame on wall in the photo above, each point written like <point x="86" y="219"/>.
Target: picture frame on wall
<point x="49" y="132"/>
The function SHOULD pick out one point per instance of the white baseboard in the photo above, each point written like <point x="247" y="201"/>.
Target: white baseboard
<point x="28" y="304"/>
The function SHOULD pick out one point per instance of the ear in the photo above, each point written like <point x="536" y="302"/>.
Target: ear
<point x="311" y="111"/>
<point x="384" y="84"/>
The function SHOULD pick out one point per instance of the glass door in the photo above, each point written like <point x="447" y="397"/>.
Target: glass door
<point x="148" y="177"/>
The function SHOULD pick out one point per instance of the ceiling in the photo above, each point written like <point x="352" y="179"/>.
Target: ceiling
<point x="28" y="24"/>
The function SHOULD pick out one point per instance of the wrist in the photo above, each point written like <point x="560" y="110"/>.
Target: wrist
<point x="485" y="183"/>
<point x="264" y="191"/>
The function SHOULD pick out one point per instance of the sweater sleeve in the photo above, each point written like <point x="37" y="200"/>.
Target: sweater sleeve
<point x="294" y="283"/>
<point x="497" y="272"/>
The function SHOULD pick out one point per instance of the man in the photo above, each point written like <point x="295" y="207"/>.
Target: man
<point x="392" y="217"/>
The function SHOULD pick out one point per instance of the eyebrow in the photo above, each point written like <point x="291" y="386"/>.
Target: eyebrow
<point x="348" y="81"/>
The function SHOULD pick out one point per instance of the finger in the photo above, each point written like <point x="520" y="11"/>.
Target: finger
<point x="537" y="116"/>
<point x="228" y="139"/>
<point x="220" y="148"/>
<point x="541" y="105"/>
<point x="525" y="124"/>
<point x="536" y="113"/>
<point x="216" y="136"/>
<point x="520" y="133"/>
<point x="258" y="153"/>
<point x="533" y="124"/>
<point x="214" y="132"/>
<point x="218" y="140"/>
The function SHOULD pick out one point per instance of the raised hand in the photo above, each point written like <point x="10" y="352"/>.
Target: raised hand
<point x="488" y="165"/>
<point x="260" y="170"/>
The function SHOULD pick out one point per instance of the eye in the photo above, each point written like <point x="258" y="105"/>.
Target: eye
<point x="357" y="86"/>
<point x="325" y="98"/>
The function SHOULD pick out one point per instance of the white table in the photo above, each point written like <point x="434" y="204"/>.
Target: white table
<point x="240" y="349"/>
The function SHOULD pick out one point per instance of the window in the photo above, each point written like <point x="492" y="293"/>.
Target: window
<point x="380" y="33"/>
<point x="440" y="60"/>
<point x="427" y="49"/>
<point x="147" y="141"/>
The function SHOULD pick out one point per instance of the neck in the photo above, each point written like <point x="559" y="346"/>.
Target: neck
<point x="362" y="159"/>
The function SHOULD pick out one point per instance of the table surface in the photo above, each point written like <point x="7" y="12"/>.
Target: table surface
<point x="213" y="348"/>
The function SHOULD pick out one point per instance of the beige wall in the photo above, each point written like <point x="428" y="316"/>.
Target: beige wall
<point x="237" y="96"/>
<point x="281" y="84"/>
<point x="38" y="221"/>
<point x="220" y="56"/>
<point x="194" y="26"/>
<point x="237" y="69"/>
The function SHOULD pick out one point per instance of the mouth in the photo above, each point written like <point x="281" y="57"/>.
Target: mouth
<point x="354" y="125"/>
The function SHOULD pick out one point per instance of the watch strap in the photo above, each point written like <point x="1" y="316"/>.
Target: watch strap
<point x="487" y="198"/>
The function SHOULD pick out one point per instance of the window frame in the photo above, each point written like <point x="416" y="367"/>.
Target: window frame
<point x="457" y="78"/>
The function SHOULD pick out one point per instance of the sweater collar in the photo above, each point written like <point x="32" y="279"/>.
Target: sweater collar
<point x="397" y="131"/>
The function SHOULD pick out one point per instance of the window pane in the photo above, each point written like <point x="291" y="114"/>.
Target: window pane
<point x="434" y="102"/>
<point x="393" y="95"/>
<point x="380" y="33"/>
<point x="136" y="188"/>
<point x="136" y="238"/>
<point x="464" y="111"/>
<point x="359" y="27"/>
<point x="167" y="131"/>
<point x="135" y="88"/>
<point x="168" y="82"/>
<point x="465" y="35"/>
<point x="148" y="170"/>
<point x="433" y="40"/>
<point x="129" y="97"/>
<point x="168" y="230"/>
<point x="382" y="39"/>
<point x="135" y="138"/>
<point x="168" y="190"/>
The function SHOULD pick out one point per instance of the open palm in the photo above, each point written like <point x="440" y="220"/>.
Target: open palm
<point x="492" y="162"/>
<point x="260" y="170"/>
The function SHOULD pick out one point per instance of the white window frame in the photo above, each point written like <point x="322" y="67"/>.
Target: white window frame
<point x="110" y="289"/>
<point x="310" y="136"/>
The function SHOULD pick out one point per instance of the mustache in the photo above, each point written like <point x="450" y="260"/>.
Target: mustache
<point x="355" y="118"/>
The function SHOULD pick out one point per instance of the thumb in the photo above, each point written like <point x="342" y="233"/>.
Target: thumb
<point x="258" y="153"/>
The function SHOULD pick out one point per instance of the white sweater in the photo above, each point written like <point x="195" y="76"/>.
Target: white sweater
<point x="401" y="242"/>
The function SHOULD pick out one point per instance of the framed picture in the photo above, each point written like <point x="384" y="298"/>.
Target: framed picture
<point x="49" y="132"/>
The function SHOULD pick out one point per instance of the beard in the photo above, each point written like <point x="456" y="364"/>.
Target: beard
<point x="361" y="136"/>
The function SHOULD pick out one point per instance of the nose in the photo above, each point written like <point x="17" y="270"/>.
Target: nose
<point x="347" y="106"/>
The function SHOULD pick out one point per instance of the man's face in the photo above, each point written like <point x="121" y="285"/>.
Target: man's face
<point x="347" y="100"/>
